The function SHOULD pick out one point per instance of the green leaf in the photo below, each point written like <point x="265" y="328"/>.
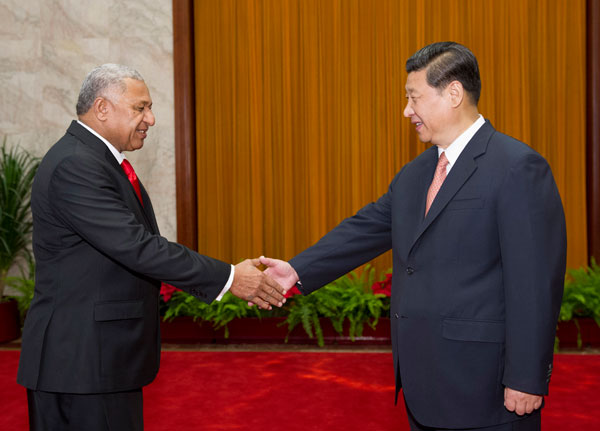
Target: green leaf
<point x="17" y="170"/>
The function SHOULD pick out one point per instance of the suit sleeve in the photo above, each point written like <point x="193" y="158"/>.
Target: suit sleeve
<point x="83" y="196"/>
<point x="353" y="242"/>
<point x="533" y="249"/>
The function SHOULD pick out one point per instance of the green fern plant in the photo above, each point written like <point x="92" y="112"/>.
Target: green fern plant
<point x="217" y="313"/>
<point x="349" y="297"/>
<point x="581" y="297"/>
<point x="306" y="311"/>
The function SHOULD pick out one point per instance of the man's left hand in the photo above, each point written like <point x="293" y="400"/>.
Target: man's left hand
<point x="521" y="402"/>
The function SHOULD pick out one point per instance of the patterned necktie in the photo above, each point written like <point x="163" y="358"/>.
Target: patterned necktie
<point x="133" y="179"/>
<point x="438" y="179"/>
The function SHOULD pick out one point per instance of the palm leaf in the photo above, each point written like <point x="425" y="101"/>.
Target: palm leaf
<point x="17" y="170"/>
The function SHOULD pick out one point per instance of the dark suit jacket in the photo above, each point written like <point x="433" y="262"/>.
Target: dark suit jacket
<point x="93" y="325"/>
<point x="477" y="284"/>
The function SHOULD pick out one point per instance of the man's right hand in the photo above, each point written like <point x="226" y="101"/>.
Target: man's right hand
<point x="280" y="271"/>
<point x="255" y="286"/>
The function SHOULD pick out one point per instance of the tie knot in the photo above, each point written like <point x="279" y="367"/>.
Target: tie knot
<point x="127" y="167"/>
<point x="443" y="160"/>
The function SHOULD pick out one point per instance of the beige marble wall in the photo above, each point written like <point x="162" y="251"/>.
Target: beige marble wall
<point x="46" y="49"/>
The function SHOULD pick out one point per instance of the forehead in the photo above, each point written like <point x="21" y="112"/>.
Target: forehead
<point x="136" y="92"/>
<point x="417" y="81"/>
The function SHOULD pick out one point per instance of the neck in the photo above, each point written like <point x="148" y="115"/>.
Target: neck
<point x="460" y="124"/>
<point x="89" y="121"/>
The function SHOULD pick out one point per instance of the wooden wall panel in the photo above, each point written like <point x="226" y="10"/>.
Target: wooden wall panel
<point x="299" y="107"/>
<point x="185" y="123"/>
<point x="593" y="127"/>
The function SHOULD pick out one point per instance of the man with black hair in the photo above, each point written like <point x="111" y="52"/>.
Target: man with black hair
<point x="477" y="229"/>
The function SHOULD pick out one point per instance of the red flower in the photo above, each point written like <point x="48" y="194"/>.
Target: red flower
<point x="166" y="290"/>
<point x="293" y="292"/>
<point x="384" y="287"/>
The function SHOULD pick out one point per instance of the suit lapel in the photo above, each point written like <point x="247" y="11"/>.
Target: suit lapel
<point x="149" y="210"/>
<point x="139" y="210"/>
<point x="465" y="166"/>
<point x="143" y="214"/>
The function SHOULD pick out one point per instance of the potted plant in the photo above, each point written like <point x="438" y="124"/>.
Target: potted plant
<point x="17" y="169"/>
<point x="336" y="313"/>
<point x="579" y="319"/>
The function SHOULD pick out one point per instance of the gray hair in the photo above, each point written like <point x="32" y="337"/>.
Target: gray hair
<point x="101" y="79"/>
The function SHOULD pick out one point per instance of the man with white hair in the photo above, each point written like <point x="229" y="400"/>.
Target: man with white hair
<point x="91" y="339"/>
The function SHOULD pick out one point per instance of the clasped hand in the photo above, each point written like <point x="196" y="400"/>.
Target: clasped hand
<point x="280" y="272"/>
<point x="255" y="286"/>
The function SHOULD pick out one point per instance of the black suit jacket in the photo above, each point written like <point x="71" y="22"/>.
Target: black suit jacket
<point x="477" y="283"/>
<point x="93" y="325"/>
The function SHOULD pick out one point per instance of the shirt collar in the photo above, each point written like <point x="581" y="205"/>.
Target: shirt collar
<point x="459" y="144"/>
<point x="119" y="156"/>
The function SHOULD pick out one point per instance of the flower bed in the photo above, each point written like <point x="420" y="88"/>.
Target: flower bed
<point x="351" y="309"/>
<point x="347" y="310"/>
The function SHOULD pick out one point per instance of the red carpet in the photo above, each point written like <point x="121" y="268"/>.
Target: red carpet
<point x="301" y="391"/>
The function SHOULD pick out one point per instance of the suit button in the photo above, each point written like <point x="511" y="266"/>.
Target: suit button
<point x="396" y="315"/>
<point x="410" y="270"/>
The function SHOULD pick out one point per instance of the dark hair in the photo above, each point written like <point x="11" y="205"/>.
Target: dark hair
<point x="446" y="62"/>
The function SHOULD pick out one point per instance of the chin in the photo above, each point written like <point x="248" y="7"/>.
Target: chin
<point x="137" y="146"/>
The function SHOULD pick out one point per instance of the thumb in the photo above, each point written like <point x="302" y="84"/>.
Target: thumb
<point x="255" y="261"/>
<point x="267" y="261"/>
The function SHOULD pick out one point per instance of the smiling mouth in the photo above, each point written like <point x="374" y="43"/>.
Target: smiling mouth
<point x="142" y="132"/>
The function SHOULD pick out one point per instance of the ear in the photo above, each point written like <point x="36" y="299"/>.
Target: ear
<point x="101" y="108"/>
<point x="456" y="92"/>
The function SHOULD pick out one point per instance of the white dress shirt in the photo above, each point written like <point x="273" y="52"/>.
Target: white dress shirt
<point x="459" y="144"/>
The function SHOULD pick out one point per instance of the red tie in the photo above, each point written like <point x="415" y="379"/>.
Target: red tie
<point x="438" y="179"/>
<point x="133" y="179"/>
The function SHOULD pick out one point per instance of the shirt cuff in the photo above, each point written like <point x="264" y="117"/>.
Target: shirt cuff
<point x="227" y="285"/>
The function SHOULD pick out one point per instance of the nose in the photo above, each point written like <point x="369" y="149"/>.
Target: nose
<point x="408" y="111"/>
<point x="149" y="118"/>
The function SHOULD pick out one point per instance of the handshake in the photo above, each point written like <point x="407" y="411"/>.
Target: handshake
<point x="264" y="289"/>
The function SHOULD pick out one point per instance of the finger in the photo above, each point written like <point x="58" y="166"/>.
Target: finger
<point x="272" y="283"/>
<point x="529" y="408"/>
<point x="265" y="296"/>
<point x="263" y="304"/>
<point x="267" y="261"/>
<point x="509" y="403"/>
<point x="274" y="292"/>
